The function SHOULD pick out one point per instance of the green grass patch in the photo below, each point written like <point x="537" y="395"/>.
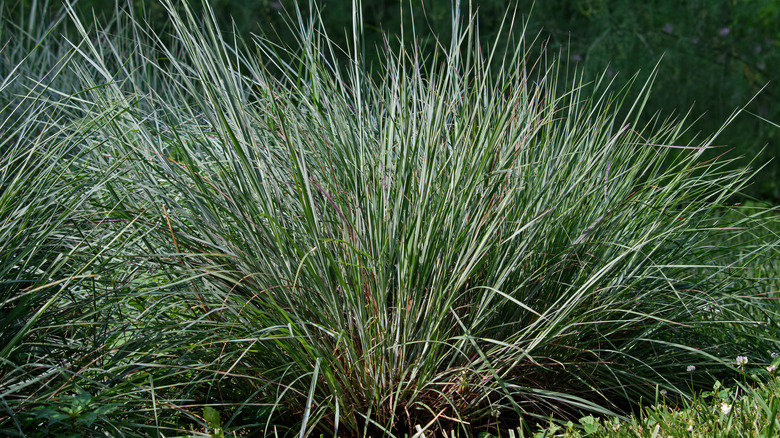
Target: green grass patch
<point x="267" y="240"/>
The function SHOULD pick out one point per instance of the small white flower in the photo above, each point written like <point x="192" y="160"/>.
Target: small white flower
<point x="774" y="355"/>
<point x="691" y="368"/>
<point x="690" y="428"/>
<point x="615" y="426"/>
<point x="771" y="369"/>
<point x="663" y="392"/>
<point x="742" y="361"/>
<point x="725" y="408"/>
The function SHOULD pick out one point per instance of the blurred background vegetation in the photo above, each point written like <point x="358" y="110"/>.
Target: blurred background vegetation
<point x="715" y="55"/>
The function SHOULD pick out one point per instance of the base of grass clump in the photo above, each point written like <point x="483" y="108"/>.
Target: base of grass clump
<point x="451" y="243"/>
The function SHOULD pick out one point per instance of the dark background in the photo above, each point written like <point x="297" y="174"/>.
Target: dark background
<point x="715" y="55"/>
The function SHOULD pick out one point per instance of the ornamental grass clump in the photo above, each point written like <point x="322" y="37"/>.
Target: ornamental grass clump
<point x="460" y="240"/>
<point x="53" y="259"/>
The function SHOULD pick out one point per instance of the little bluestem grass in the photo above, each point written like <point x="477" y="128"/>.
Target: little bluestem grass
<point x="451" y="244"/>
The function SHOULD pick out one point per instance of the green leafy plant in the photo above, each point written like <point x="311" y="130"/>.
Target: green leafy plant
<point x="211" y="416"/>
<point x="73" y="416"/>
